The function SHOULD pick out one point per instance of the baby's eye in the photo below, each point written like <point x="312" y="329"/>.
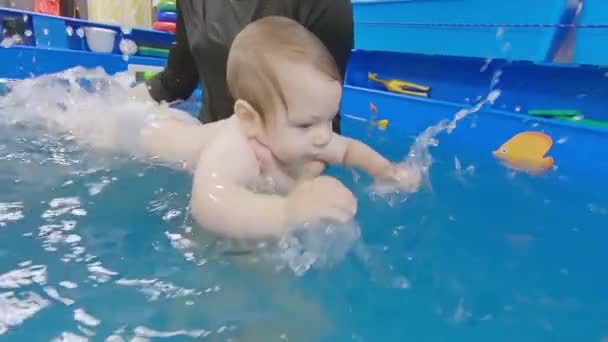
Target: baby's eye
<point x="305" y="126"/>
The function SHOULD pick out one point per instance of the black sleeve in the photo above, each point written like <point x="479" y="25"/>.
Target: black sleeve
<point x="332" y="22"/>
<point x="179" y="78"/>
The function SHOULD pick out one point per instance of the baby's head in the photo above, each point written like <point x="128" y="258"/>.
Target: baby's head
<point x="287" y="88"/>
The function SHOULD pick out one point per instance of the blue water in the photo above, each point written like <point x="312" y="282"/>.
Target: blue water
<point x="479" y="254"/>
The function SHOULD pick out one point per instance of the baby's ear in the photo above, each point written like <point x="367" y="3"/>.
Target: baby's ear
<point x="250" y="119"/>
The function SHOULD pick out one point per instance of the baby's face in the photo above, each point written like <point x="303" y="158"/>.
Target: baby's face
<point x="301" y="132"/>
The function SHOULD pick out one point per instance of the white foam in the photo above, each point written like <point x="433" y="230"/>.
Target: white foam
<point x="142" y="331"/>
<point x="68" y="284"/>
<point x="70" y="337"/>
<point x="15" y="279"/>
<point x="10" y="212"/>
<point x="83" y="317"/>
<point x="14" y="311"/>
<point x="54" y="294"/>
<point x="100" y="273"/>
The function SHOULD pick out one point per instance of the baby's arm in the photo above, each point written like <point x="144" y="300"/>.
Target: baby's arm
<point x="350" y="152"/>
<point x="354" y="153"/>
<point x="220" y="200"/>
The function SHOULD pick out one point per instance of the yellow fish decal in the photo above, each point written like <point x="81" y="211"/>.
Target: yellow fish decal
<point x="526" y="152"/>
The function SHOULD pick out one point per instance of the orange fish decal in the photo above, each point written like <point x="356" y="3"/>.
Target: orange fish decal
<point x="526" y="152"/>
<point x="373" y="108"/>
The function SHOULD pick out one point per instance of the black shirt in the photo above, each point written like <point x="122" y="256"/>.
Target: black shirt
<point x="206" y="29"/>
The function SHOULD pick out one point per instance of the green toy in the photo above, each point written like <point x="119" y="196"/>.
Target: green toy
<point x="167" y="6"/>
<point x="152" y="52"/>
<point x="148" y="75"/>
<point x="555" y="113"/>
<point x="570" y="115"/>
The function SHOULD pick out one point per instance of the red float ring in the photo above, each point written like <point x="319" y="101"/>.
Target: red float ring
<point x="164" y="26"/>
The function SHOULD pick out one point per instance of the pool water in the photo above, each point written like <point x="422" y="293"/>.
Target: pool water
<point x="100" y="246"/>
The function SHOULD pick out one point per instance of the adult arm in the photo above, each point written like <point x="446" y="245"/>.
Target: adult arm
<point x="180" y="77"/>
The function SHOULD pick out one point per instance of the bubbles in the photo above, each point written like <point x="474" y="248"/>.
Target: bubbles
<point x="69" y="30"/>
<point x="80" y="32"/>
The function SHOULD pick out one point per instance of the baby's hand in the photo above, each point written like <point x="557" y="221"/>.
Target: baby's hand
<point x="322" y="198"/>
<point x="404" y="176"/>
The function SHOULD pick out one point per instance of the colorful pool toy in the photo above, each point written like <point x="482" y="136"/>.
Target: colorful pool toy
<point x="526" y="152"/>
<point x="400" y="86"/>
<point x="152" y="52"/>
<point x="570" y="115"/>
<point x="167" y="16"/>
<point x="169" y="6"/>
<point x="165" y="26"/>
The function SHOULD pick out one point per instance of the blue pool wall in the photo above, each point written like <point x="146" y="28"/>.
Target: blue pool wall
<point x="516" y="29"/>
<point x="456" y="82"/>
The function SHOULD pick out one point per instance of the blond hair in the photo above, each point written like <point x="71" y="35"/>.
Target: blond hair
<point x="250" y="74"/>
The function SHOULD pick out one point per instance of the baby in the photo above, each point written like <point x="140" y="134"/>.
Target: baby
<point x="287" y="89"/>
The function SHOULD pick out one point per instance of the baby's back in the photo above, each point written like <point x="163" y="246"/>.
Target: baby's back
<point x="178" y="138"/>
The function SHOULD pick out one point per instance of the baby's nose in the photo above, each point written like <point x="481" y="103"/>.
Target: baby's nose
<point x="322" y="138"/>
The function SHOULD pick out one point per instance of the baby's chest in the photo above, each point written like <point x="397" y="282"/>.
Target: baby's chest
<point x="272" y="178"/>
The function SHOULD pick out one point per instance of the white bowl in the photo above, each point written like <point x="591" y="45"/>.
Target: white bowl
<point x="100" y="39"/>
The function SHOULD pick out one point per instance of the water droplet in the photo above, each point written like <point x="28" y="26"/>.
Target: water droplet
<point x="125" y="58"/>
<point x="401" y="282"/>
<point x="26" y="18"/>
<point x="562" y="140"/>
<point x="506" y="47"/>
<point x="578" y="118"/>
<point x="80" y="32"/>
<point x="69" y="30"/>
<point x="486" y="65"/>
<point x="500" y="32"/>
<point x="45" y="31"/>
<point x="606" y="74"/>
<point x="28" y="33"/>
<point x="126" y="30"/>
<point x="518" y="109"/>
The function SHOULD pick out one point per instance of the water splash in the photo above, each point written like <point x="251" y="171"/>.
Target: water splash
<point x="319" y="247"/>
<point x="419" y="157"/>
